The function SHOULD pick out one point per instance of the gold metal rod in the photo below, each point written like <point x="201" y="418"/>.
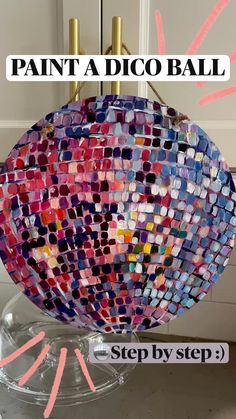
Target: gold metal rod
<point x="74" y="49"/>
<point x="117" y="28"/>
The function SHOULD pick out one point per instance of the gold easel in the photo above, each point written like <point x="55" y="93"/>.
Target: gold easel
<point x="117" y="29"/>
<point x="74" y="49"/>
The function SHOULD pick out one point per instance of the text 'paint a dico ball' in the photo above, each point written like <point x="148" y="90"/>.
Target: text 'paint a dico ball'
<point x="112" y="217"/>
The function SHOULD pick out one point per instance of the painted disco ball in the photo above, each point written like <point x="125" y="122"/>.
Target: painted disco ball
<point x="112" y="217"/>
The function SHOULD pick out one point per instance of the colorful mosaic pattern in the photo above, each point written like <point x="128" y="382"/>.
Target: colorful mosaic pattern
<point x="113" y="218"/>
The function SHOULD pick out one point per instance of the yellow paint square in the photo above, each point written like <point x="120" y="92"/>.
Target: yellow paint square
<point x="52" y="263"/>
<point x="168" y="250"/>
<point x="198" y="156"/>
<point x="58" y="224"/>
<point x="149" y="226"/>
<point x="134" y="215"/>
<point x="147" y="248"/>
<point x="132" y="258"/>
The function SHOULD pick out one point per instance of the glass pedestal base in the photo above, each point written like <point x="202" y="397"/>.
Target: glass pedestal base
<point x="21" y="321"/>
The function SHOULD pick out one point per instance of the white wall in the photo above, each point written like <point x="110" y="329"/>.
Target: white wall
<point x="40" y="27"/>
<point x="181" y="22"/>
<point x="215" y="317"/>
<point x="32" y="26"/>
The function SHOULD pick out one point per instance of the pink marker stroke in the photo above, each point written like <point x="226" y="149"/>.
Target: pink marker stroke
<point x="220" y="94"/>
<point x="35" y="365"/>
<point x="85" y="370"/>
<point x="207" y="25"/>
<point x="160" y="33"/>
<point x="57" y="382"/>
<point x="24" y="348"/>
<point x="232" y="59"/>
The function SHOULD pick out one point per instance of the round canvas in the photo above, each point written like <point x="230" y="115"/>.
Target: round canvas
<point x="113" y="217"/>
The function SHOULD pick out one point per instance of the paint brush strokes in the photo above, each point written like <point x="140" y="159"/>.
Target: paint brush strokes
<point x="220" y="94"/>
<point x="85" y="370"/>
<point x="160" y="33"/>
<point x="35" y="365"/>
<point x="207" y="25"/>
<point x="24" y="348"/>
<point x="57" y="382"/>
<point x="39" y="361"/>
<point x="195" y="45"/>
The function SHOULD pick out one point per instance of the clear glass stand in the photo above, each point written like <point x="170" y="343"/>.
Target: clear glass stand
<point x="21" y="321"/>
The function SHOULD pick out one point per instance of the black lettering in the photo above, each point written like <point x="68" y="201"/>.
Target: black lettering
<point x="92" y="67"/>
<point x="174" y="64"/>
<point x="17" y="64"/>
<point x="31" y="67"/>
<point x="157" y="66"/>
<point x="216" y="68"/>
<point x="180" y="353"/>
<point x="44" y="67"/>
<point x="133" y="67"/>
<point x="59" y="67"/>
<point x="195" y="353"/>
<point x="206" y="354"/>
<point x="202" y="68"/>
<point x="72" y="63"/>
<point x="115" y="352"/>
<point x="108" y="66"/>
<point x="126" y="67"/>
<point x="131" y="353"/>
<point x="142" y="354"/>
<point x="189" y="67"/>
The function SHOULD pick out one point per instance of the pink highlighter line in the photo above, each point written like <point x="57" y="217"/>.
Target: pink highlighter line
<point x="232" y="57"/>
<point x="207" y="25"/>
<point x="85" y="370"/>
<point x="201" y="83"/>
<point x="220" y="94"/>
<point x="20" y="351"/>
<point x="57" y="382"/>
<point x="35" y="365"/>
<point x="160" y="33"/>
